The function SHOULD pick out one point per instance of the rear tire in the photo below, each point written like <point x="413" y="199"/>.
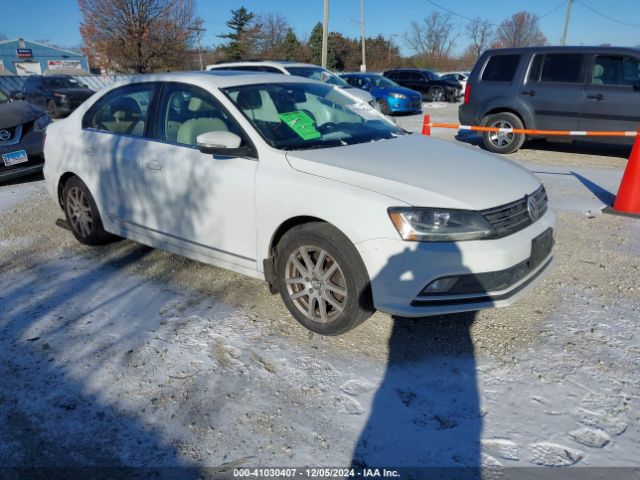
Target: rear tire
<point x="82" y="214"/>
<point x="322" y="279"/>
<point x="502" y="142"/>
<point x="436" y="94"/>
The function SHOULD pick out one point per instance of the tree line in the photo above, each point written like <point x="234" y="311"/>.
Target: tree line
<point x="160" y="35"/>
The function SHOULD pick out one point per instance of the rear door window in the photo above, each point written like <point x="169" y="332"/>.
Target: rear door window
<point x="558" y="68"/>
<point x="122" y="111"/>
<point x="501" y="68"/>
<point x="615" y="70"/>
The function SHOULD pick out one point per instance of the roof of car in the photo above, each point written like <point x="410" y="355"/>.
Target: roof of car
<point x="558" y="49"/>
<point x="217" y="78"/>
<point x="273" y="63"/>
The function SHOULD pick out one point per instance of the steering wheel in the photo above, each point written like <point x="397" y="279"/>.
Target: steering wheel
<point x="327" y="127"/>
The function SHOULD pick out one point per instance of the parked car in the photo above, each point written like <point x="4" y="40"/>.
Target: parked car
<point x="21" y="138"/>
<point x="59" y="95"/>
<point x="553" y="88"/>
<point x="287" y="179"/>
<point x="391" y="97"/>
<point x="460" y="77"/>
<point x="429" y="84"/>
<point x="306" y="70"/>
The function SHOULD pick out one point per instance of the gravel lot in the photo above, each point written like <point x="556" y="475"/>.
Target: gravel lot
<point x="124" y="356"/>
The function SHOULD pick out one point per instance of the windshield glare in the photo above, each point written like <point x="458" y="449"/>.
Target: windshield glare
<point x="293" y="116"/>
<point x="62" y="83"/>
<point x="3" y="97"/>
<point x="319" y="74"/>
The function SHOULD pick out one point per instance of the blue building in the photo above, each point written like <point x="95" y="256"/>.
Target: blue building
<point x="22" y="57"/>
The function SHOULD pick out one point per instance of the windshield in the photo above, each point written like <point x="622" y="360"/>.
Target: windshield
<point x="60" y="82"/>
<point x="3" y="97"/>
<point x="382" y="82"/>
<point x="319" y="74"/>
<point x="292" y="116"/>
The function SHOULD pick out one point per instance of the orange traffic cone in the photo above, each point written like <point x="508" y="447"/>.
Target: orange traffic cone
<point x="426" y="128"/>
<point x="628" y="199"/>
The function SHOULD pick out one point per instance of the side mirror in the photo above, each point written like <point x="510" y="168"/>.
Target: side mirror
<point x="222" y="143"/>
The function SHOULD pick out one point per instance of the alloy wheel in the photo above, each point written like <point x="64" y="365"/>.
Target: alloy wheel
<point x="316" y="284"/>
<point x="79" y="211"/>
<point x="501" y="139"/>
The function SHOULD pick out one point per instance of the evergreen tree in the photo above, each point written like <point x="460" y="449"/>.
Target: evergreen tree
<point x="315" y="47"/>
<point x="291" y="47"/>
<point x="243" y="33"/>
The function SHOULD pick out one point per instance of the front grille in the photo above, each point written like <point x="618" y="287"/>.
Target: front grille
<point x="514" y="216"/>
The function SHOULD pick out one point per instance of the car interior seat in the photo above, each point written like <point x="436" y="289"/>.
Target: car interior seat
<point x="598" y="72"/>
<point x="206" y="119"/>
<point x="125" y="117"/>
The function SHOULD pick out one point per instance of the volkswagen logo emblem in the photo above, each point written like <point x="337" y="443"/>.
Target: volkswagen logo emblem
<point x="533" y="208"/>
<point x="4" y="135"/>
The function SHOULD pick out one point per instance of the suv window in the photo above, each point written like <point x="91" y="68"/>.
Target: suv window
<point x="501" y="68"/>
<point x="416" y="76"/>
<point x="558" y="68"/>
<point x="124" y="110"/>
<point x="615" y="70"/>
<point x="186" y="112"/>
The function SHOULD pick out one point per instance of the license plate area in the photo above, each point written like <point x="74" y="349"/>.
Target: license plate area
<point x="541" y="247"/>
<point x="14" y="158"/>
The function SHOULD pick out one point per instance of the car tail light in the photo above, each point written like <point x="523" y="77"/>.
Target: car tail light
<point x="467" y="93"/>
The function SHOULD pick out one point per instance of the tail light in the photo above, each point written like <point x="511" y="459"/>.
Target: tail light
<point x="467" y="93"/>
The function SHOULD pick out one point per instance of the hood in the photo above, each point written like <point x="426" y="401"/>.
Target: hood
<point x="422" y="171"/>
<point x="361" y="94"/>
<point x="402" y="90"/>
<point x="17" y="113"/>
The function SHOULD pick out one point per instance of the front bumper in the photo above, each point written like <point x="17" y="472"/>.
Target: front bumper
<point x="399" y="271"/>
<point x="32" y="143"/>
<point x="406" y="105"/>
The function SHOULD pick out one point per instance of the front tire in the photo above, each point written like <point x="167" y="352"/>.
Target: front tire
<point x="82" y="214"/>
<point x="436" y="94"/>
<point x="498" y="142"/>
<point x="384" y="106"/>
<point x="322" y="279"/>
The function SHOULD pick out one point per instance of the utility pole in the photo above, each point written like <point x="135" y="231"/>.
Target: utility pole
<point x="389" y="55"/>
<point x="566" y="23"/>
<point x="198" y="29"/>
<point x="325" y="34"/>
<point x="363" y="67"/>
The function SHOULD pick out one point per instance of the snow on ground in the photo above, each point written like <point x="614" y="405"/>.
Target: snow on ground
<point x="102" y="365"/>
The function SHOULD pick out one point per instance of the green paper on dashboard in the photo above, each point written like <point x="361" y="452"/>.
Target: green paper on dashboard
<point x="301" y="123"/>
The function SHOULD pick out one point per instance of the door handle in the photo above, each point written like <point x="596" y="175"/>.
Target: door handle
<point x="597" y="96"/>
<point x="153" y="165"/>
<point x="529" y="93"/>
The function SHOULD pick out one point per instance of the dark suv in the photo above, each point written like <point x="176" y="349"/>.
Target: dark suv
<point x="429" y="84"/>
<point x="553" y="88"/>
<point x="59" y="95"/>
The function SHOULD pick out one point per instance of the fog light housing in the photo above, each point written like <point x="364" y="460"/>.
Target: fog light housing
<point x="440" y="285"/>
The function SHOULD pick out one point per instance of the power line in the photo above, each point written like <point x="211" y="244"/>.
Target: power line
<point x="555" y="9"/>
<point x="604" y="15"/>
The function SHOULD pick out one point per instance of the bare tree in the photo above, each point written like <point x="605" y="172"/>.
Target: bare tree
<point x="434" y="37"/>
<point x="480" y="32"/>
<point x="139" y="35"/>
<point x="521" y="30"/>
<point x="270" y="38"/>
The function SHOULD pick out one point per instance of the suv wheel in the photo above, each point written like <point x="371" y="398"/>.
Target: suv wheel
<point x="502" y="142"/>
<point x="322" y="279"/>
<point x="436" y="94"/>
<point x="82" y="214"/>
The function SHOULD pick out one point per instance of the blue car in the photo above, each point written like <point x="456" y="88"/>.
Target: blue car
<point x="391" y="97"/>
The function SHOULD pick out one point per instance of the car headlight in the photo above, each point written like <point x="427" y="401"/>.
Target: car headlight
<point x="399" y="96"/>
<point x="41" y="123"/>
<point x="439" y="224"/>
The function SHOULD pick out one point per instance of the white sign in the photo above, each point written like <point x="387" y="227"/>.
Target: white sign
<point x="63" y="64"/>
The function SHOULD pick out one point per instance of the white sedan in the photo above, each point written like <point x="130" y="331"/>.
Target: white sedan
<point x="287" y="179"/>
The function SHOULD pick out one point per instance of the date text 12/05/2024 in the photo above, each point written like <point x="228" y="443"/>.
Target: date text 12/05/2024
<point x="315" y="473"/>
